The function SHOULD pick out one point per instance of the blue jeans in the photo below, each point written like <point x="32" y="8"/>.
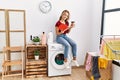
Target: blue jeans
<point x="67" y="42"/>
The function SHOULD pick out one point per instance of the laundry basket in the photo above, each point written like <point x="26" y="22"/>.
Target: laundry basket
<point x="105" y="72"/>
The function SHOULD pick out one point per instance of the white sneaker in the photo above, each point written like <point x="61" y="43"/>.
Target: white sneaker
<point x="66" y="64"/>
<point x="75" y="62"/>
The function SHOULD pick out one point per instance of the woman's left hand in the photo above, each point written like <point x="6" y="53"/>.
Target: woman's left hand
<point x="72" y="25"/>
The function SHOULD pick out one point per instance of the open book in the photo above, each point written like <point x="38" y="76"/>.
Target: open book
<point x="63" y="27"/>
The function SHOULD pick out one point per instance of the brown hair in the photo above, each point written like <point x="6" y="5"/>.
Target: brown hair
<point x="68" y="15"/>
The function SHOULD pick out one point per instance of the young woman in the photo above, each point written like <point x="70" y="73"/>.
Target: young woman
<point x="62" y="28"/>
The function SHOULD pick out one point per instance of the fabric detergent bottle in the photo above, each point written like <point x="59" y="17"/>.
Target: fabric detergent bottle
<point x="43" y="39"/>
<point x="50" y="37"/>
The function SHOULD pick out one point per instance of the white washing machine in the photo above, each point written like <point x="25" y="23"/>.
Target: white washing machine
<point x="56" y="59"/>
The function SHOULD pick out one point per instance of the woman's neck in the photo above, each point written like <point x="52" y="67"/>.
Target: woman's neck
<point x="62" y="21"/>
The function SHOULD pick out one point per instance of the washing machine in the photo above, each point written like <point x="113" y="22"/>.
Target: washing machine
<point x="56" y="60"/>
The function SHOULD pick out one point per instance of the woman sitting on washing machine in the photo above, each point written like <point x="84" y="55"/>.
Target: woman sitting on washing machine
<point x="62" y="27"/>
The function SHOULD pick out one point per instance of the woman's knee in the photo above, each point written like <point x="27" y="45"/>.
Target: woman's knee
<point x="67" y="45"/>
<point x="74" y="44"/>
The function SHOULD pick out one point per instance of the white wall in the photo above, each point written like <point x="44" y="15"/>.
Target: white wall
<point x="96" y="24"/>
<point x="85" y="13"/>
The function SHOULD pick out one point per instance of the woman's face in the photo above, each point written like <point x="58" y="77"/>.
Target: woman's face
<point x="65" y="16"/>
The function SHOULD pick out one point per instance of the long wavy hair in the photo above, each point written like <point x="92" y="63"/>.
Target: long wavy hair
<point x="63" y="13"/>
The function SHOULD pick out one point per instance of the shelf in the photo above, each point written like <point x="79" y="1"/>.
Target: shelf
<point x="31" y="45"/>
<point x="33" y="61"/>
<point x="36" y="68"/>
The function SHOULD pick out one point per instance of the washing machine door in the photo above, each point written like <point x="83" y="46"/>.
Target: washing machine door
<point x="57" y="60"/>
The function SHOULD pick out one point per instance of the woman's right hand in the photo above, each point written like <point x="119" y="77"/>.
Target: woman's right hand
<point x="62" y="32"/>
<point x="58" y="32"/>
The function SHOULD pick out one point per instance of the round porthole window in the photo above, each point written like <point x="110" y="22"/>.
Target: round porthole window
<point x="59" y="59"/>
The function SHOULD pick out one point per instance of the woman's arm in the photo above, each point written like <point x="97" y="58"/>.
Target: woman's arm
<point x="71" y="26"/>
<point x="58" y="32"/>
